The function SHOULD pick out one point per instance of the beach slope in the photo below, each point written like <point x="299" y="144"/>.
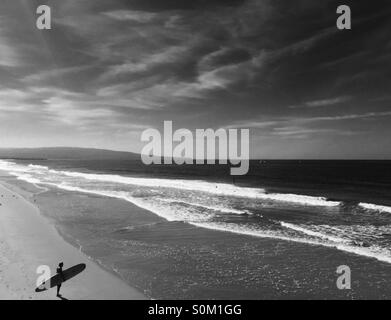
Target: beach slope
<point x="28" y="240"/>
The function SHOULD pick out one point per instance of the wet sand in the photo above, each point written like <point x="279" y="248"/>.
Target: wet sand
<point x="28" y="240"/>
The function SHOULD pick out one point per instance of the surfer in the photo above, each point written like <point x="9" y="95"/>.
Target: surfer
<point x="61" y="274"/>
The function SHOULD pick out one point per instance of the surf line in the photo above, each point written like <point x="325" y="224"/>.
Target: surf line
<point x="165" y="310"/>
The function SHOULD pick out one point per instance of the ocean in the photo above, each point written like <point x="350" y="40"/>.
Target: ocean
<point x="342" y="206"/>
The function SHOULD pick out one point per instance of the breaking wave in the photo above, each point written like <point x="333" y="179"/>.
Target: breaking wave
<point x="226" y="207"/>
<point x="375" y="207"/>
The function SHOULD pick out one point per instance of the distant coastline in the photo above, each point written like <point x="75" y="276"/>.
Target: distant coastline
<point x="31" y="159"/>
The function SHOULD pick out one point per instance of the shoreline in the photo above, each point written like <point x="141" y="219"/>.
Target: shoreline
<point x="28" y="240"/>
<point x="150" y="253"/>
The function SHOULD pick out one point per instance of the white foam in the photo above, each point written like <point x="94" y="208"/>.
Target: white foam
<point x="375" y="207"/>
<point x="300" y="199"/>
<point x="240" y="229"/>
<point x="10" y="166"/>
<point x="171" y="213"/>
<point x="209" y="187"/>
<point x="221" y="189"/>
<point x="374" y="252"/>
<point x="26" y="177"/>
<point x="191" y="185"/>
<point x="313" y="233"/>
<point x="34" y="166"/>
<point x="215" y="208"/>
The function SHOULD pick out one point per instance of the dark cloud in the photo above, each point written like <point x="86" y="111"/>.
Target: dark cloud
<point x="223" y="57"/>
<point x="158" y="5"/>
<point x="115" y="67"/>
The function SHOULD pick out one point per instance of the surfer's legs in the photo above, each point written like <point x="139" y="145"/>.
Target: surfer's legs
<point x="58" y="289"/>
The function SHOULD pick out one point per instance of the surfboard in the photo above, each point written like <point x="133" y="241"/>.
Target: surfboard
<point x="57" y="279"/>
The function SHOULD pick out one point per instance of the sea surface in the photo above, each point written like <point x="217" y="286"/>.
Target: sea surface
<point x="340" y="205"/>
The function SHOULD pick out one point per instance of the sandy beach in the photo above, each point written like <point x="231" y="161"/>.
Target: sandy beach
<point x="28" y="240"/>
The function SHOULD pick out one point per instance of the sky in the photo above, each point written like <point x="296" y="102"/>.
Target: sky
<point x="107" y="70"/>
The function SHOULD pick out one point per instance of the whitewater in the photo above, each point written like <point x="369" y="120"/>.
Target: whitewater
<point x="225" y="207"/>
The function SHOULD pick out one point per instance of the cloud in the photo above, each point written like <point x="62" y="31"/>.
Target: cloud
<point x="367" y="115"/>
<point x="252" y="124"/>
<point x="278" y="121"/>
<point x="169" y="5"/>
<point x="323" y="102"/>
<point x="9" y="57"/>
<point x="109" y="65"/>
<point x="223" y="57"/>
<point x="59" y="106"/>
<point x="298" y="132"/>
<point x="131" y="15"/>
<point x="13" y="100"/>
<point x="188" y="67"/>
<point x="54" y="73"/>
<point x="74" y="113"/>
<point x="145" y="63"/>
<point x="217" y="79"/>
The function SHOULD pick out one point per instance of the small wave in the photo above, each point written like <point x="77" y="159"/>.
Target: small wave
<point x="28" y="178"/>
<point x="35" y="166"/>
<point x="300" y="199"/>
<point x="375" y="207"/>
<point x="193" y="185"/>
<point x="376" y="252"/>
<point x="208" y="187"/>
<point x="316" y="234"/>
<point x="214" y="208"/>
<point x="247" y="230"/>
<point x="220" y="189"/>
<point x="137" y="227"/>
<point x="166" y="212"/>
<point x="313" y="235"/>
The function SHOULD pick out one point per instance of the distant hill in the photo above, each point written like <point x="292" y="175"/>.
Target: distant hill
<point x="67" y="153"/>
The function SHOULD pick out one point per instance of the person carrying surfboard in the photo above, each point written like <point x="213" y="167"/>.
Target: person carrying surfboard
<point x="61" y="274"/>
<point x="60" y="277"/>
